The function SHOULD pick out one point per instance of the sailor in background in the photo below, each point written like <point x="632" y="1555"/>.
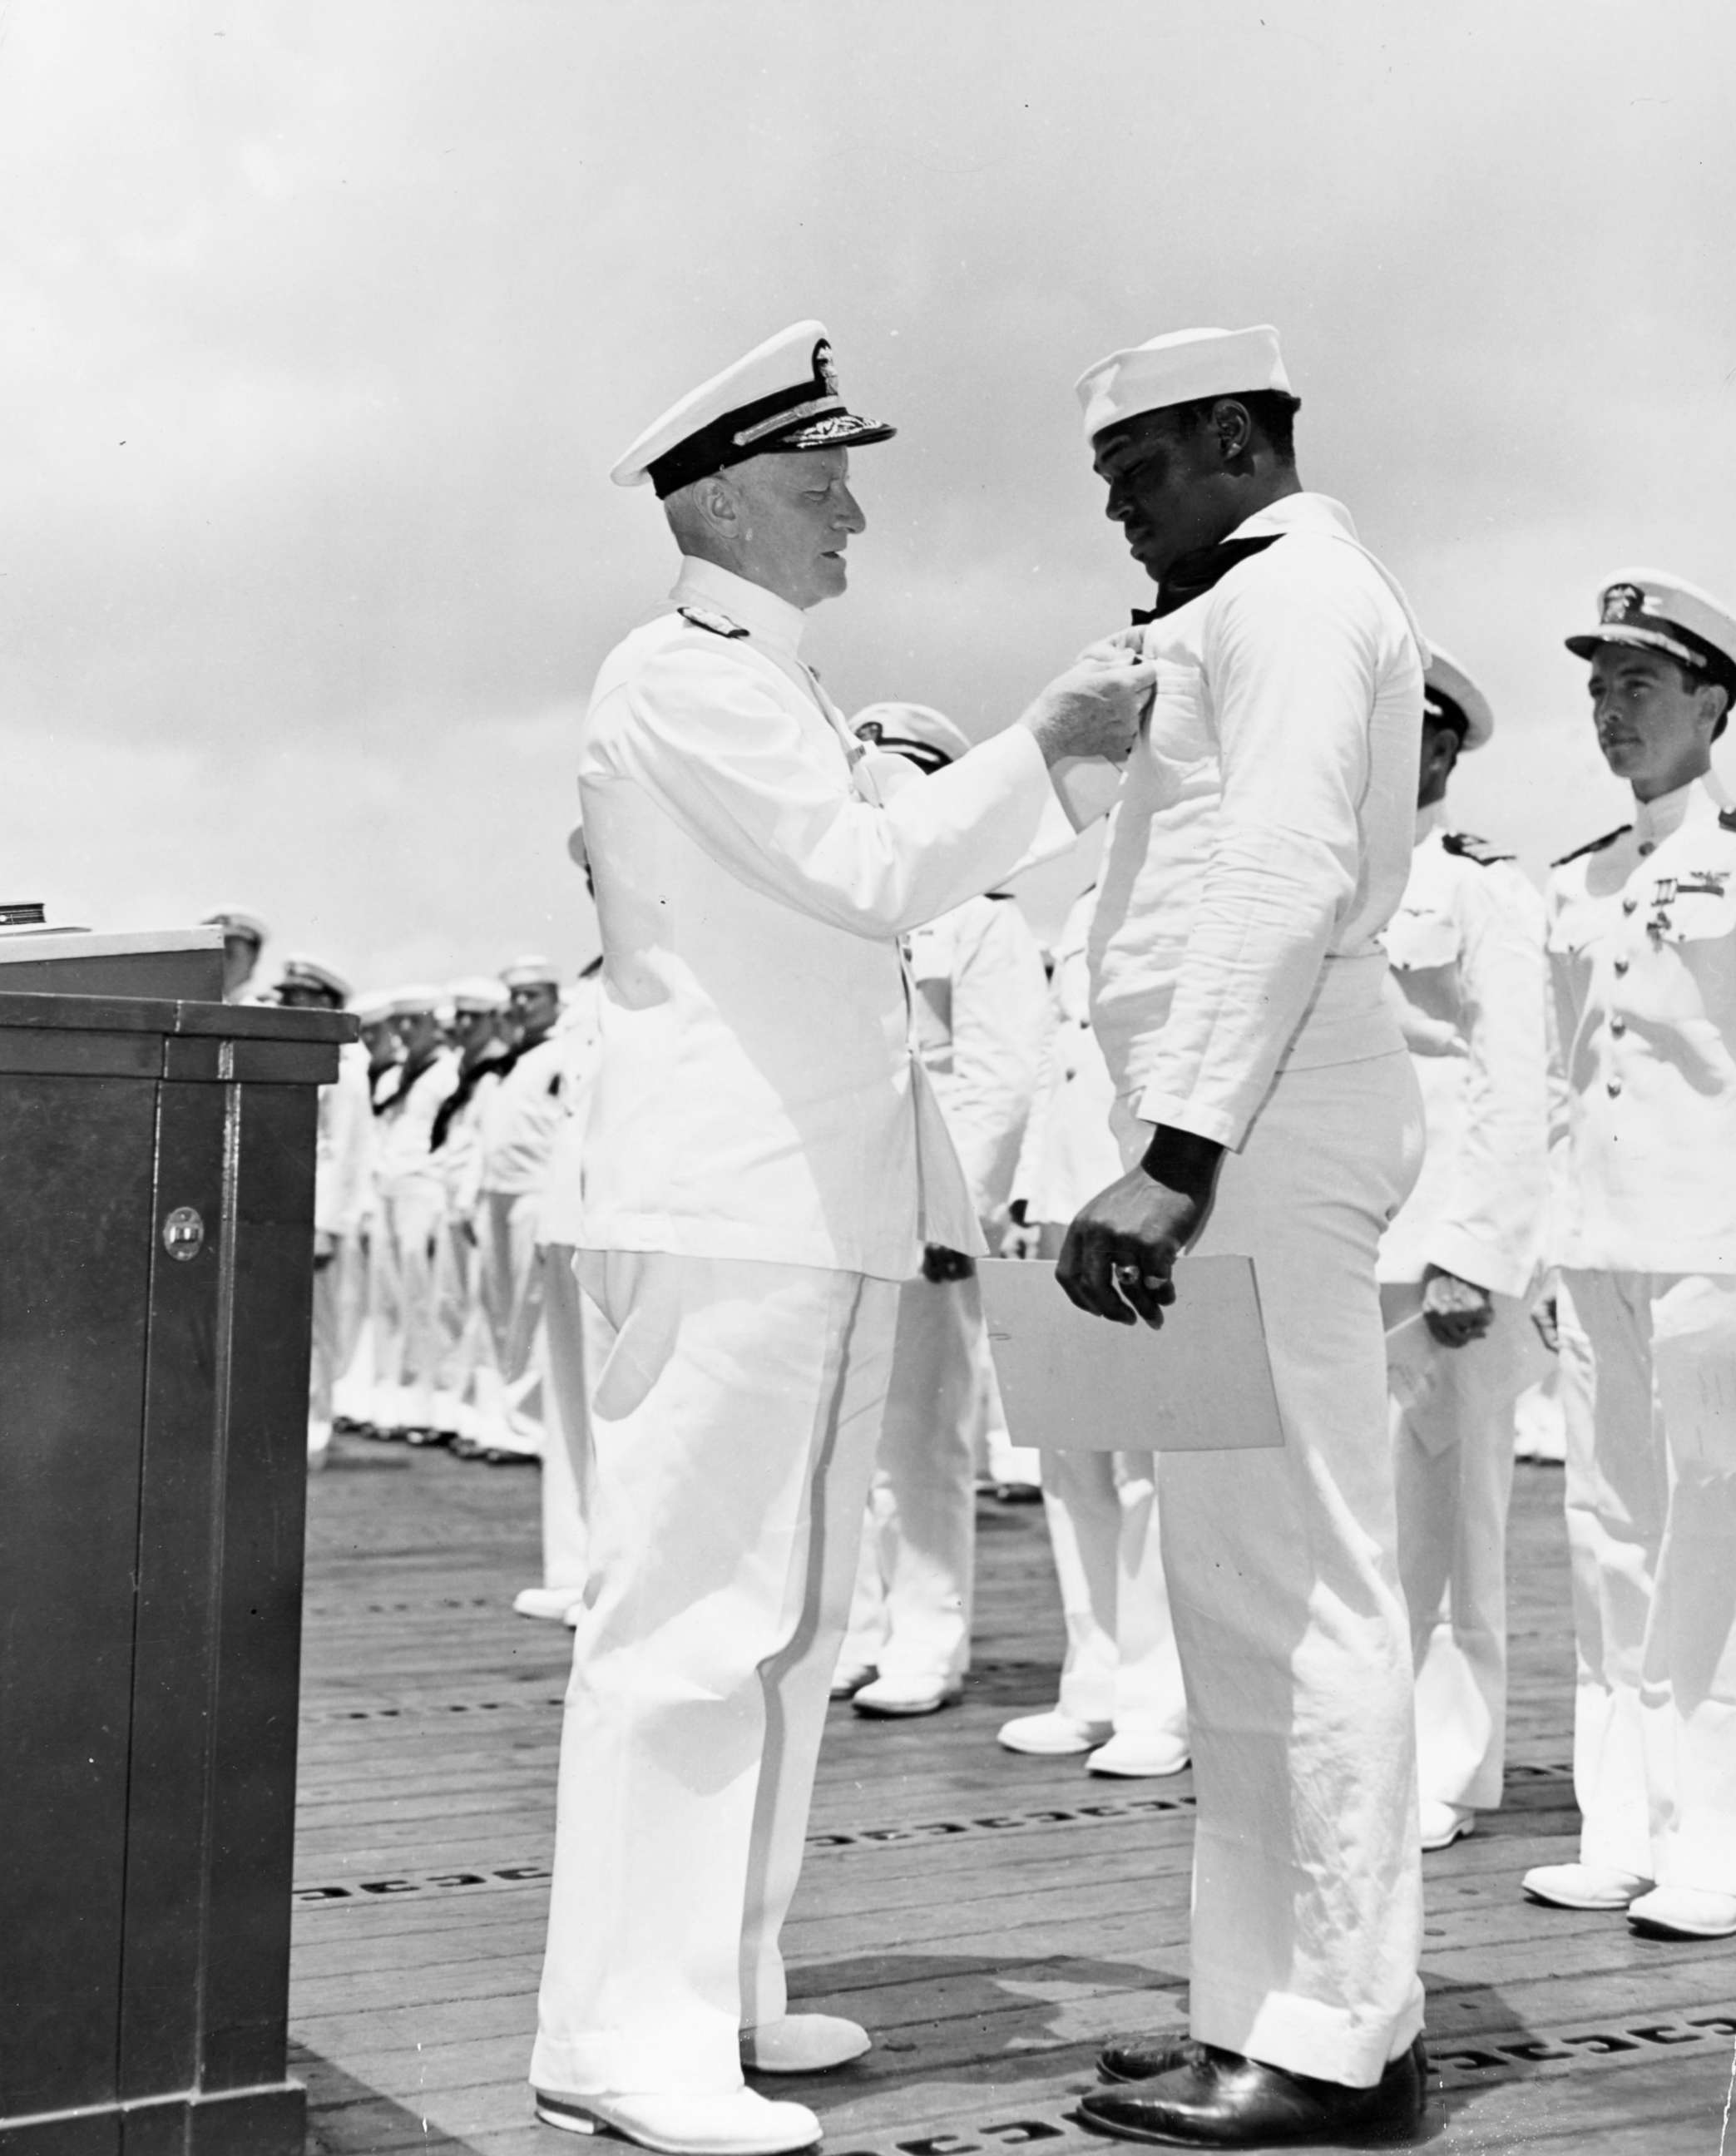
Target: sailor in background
<point x="764" y="1163"/>
<point x="244" y="937"/>
<point x="1458" y="1264"/>
<point x="1266" y="1110"/>
<point x="521" y="1120"/>
<point x="410" y="1211"/>
<point x="342" y="1191"/>
<point x="479" y="1007"/>
<point x="352" y="1396"/>
<point x="1642" y="964"/>
<point x="980" y="1010"/>
<point x="1121" y="1699"/>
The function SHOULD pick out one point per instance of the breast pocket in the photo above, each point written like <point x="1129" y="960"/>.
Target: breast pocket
<point x="1694" y="922"/>
<point x="1180" y="737"/>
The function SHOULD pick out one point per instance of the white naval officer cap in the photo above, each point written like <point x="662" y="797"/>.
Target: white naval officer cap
<point x="1176" y="367"/>
<point x="781" y="396"/>
<point x="1651" y="608"/>
<point x="300" y="972"/>
<point x="535" y="972"/>
<point x="236" y="921"/>
<point x="477" y="993"/>
<point x="917" y="731"/>
<point x="420" y="1001"/>
<point x="1450" y="693"/>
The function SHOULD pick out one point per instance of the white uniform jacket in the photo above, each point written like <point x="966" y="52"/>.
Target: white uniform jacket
<point x="1069" y="1152"/>
<point x="1262" y="838"/>
<point x="1642" y="965"/>
<point x="405" y="1127"/>
<point x="522" y="1117"/>
<point x="757" y="1095"/>
<point x="982" y="1012"/>
<point x="561" y="1217"/>
<point x="1467" y="951"/>
<point x="344" y="1152"/>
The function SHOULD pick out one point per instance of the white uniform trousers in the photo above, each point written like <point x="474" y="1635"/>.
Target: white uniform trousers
<point x="508" y="1392"/>
<point x="340" y="1294"/>
<point x="1648" y="1386"/>
<point x="1284" y="1587"/>
<point x="401" y="1302"/>
<point x="733" y="1427"/>
<point x="1451" y="1413"/>
<point x="458" y="1324"/>
<point x="909" y="1613"/>
<point x="574" y="1335"/>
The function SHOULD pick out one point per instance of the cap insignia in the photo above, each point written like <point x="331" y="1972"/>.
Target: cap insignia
<point x="719" y="624"/>
<point x="824" y="372"/>
<point x="1622" y="601"/>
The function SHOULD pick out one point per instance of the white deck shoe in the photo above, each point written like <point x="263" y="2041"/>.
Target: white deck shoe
<point x="906" y="1695"/>
<point x="1685" y="1912"/>
<point x="849" y="1677"/>
<point x="1444" y="1824"/>
<point x="738" y="2123"/>
<point x="550" y="1603"/>
<point x="1582" y="1885"/>
<point x="804" y="2044"/>
<point x="1054" y="1734"/>
<point x="1136" y="1755"/>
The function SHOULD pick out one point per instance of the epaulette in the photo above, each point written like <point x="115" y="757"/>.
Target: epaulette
<point x="1596" y="845"/>
<point x="719" y="624"/>
<point x="1472" y="849"/>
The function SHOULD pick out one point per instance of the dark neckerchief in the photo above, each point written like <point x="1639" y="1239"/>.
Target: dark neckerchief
<point x="409" y="1072"/>
<point x="460" y="1097"/>
<point x="1190" y="574"/>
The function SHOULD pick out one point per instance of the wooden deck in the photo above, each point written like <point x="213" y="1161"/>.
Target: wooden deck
<point x="991" y="1918"/>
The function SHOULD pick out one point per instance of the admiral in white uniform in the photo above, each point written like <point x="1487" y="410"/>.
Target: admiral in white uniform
<point x="764" y="1163"/>
<point x="1642" y="962"/>
<point x="1457" y="1265"/>
<point x="1268" y="1110"/>
<point x="981" y="1010"/>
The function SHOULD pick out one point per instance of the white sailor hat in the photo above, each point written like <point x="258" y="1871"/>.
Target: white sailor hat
<point x="1651" y="608"/>
<point x="532" y="972"/>
<point x="372" y="1008"/>
<point x="477" y="993"/>
<point x="917" y="731"/>
<point x="236" y="921"/>
<point x="1450" y="693"/>
<point x="783" y="395"/>
<point x="299" y="971"/>
<point x="1176" y="368"/>
<point x="418" y="1002"/>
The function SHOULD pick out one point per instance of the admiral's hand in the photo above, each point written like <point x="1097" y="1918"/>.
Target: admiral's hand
<point x="1457" y="1311"/>
<point x="1094" y="709"/>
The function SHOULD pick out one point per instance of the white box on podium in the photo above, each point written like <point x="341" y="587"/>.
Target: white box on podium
<point x="1201" y="1383"/>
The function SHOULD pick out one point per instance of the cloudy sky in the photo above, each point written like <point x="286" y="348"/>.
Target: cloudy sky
<point x="320" y="325"/>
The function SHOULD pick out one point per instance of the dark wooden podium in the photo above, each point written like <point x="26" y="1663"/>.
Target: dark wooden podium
<point x="156" y="1163"/>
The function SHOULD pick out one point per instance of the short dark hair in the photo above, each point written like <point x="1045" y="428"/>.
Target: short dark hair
<point x="1709" y="677"/>
<point x="1273" y="411"/>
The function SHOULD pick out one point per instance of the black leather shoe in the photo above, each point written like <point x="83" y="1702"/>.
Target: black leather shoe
<point x="1216" y="2099"/>
<point x="1134" y="2059"/>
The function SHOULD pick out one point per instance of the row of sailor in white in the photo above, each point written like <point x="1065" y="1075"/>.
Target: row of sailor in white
<point x="1262" y="842"/>
<point x="1466" y="949"/>
<point x="980" y="1008"/>
<point x="1642" y="960"/>
<point x="1120" y="1698"/>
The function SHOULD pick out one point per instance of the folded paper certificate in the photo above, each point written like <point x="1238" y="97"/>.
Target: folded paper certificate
<point x="1202" y="1383"/>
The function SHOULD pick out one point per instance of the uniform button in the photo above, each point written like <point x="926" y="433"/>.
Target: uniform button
<point x="1618" y="1025"/>
<point x="1629" y="905"/>
<point x="1621" y="965"/>
<point x="1613" y="1088"/>
<point x="1645" y="849"/>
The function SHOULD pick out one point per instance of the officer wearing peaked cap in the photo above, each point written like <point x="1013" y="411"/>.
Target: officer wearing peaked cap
<point x="752" y="1197"/>
<point x="244" y="937"/>
<point x="1267" y="1110"/>
<point x="1642" y="965"/>
<point x="1456" y="1266"/>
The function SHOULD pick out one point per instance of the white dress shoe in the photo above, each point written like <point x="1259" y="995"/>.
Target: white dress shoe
<point x="1444" y="1824"/>
<point x="738" y="2123"/>
<point x="1582" y="1885"/>
<point x="849" y="1677"/>
<point x="1135" y="1754"/>
<point x="906" y="1695"/>
<point x="550" y="1603"/>
<point x="1685" y="1912"/>
<point x="1052" y="1734"/>
<point x="804" y="2044"/>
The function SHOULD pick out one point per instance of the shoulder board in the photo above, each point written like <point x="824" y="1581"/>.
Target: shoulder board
<point x="1472" y="849"/>
<point x="1726" y="819"/>
<point x="997" y="894"/>
<point x="719" y="624"/>
<point x="1596" y="846"/>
